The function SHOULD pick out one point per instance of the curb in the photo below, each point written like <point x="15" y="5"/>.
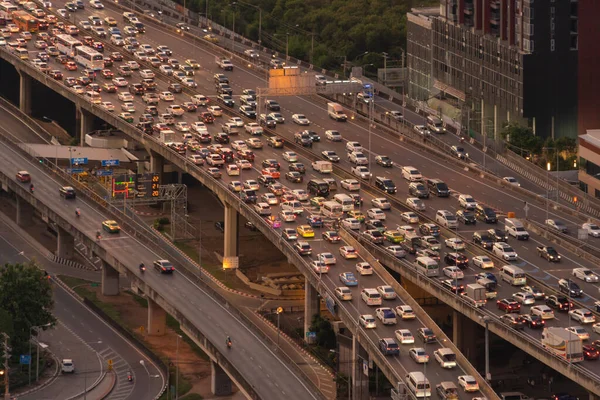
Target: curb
<point x="112" y="386"/>
<point x="68" y="263"/>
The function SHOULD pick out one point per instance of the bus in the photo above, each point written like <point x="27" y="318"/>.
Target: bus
<point x="25" y="21"/>
<point x="66" y="44"/>
<point x="89" y="58"/>
<point x="6" y="10"/>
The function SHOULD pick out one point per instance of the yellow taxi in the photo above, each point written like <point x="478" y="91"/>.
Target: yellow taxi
<point x="211" y="38"/>
<point x="393" y="236"/>
<point x="111" y="226"/>
<point x="357" y="215"/>
<point x="305" y="231"/>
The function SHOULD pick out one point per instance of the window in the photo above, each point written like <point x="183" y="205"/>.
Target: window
<point x="552" y="45"/>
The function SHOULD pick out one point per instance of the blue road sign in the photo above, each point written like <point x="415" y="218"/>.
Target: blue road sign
<point x="79" y="161"/>
<point x="311" y="335"/>
<point x="330" y="303"/>
<point x="25" y="359"/>
<point x="110" y="163"/>
<point x="74" y="170"/>
<point x="104" y="172"/>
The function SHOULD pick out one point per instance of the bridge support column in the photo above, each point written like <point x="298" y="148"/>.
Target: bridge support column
<point x="220" y="383"/>
<point x="25" y="92"/>
<point x="110" y="280"/>
<point x="230" y="248"/>
<point x="311" y="305"/>
<point x="84" y="123"/>
<point x="25" y="211"/>
<point x="593" y="396"/>
<point x="65" y="247"/>
<point x="157" y="319"/>
<point x="360" y="381"/>
<point x="465" y="336"/>
<point x="157" y="164"/>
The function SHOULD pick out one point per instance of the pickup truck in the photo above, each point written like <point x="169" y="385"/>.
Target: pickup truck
<point x="569" y="287"/>
<point x="548" y="253"/>
<point x="224" y="63"/>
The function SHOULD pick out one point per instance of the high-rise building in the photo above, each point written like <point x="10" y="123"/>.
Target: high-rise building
<point x="512" y="60"/>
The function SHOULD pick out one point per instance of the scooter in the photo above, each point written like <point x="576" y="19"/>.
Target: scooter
<point x="129" y="377"/>
<point x="142" y="268"/>
<point x="229" y="343"/>
<point x="31" y="189"/>
<point x="77" y="213"/>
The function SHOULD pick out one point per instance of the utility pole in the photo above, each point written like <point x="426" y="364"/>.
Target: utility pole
<point x="7" y="350"/>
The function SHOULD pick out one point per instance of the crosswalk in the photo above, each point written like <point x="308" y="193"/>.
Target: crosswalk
<point x="123" y="387"/>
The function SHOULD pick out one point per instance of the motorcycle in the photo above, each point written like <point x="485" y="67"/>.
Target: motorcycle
<point x="142" y="268"/>
<point x="229" y="343"/>
<point x="98" y="235"/>
<point x="129" y="377"/>
<point x="31" y="189"/>
<point x="77" y="213"/>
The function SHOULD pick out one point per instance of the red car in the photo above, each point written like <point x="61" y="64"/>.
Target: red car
<point x="509" y="306"/>
<point x="107" y="74"/>
<point x="272" y="172"/>
<point x="71" y="66"/>
<point x="23" y="176"/>
<point x="56" y="75"/>
<point x="590" y="352"/>
<point x="207" y="118"/>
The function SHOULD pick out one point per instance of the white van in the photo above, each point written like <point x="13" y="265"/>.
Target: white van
<point x="331" y="209"/>
<point x="345" y="201"/>
<point x="515" y="228"/>
<point x="445" y="357"/>
<point x="513" y="275"/>
<point x="371" y="296"/>
<point x="93" y="97"/>
<point x="427" y="266"/>
<point x="418" y="384"/>
<point x="411" y="174"/>
<point x="435" y="124"/>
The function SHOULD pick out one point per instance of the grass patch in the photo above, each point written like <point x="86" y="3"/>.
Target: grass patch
<point x="80" y="286"/>
<point x="215" y="270"/>
<point x="143" y="302"/>
<point x="174" y="324"/>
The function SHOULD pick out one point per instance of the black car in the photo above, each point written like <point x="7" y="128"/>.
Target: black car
<point x="303" y="139"/>
<point x="466" y="217"/>
<point x="408" y="246"/>
<point x="533" y="321"/>
<point x="67" y="192"/>
<point x="271" y="163"/>
<point x="303" y="248"/>
<point x="385" y="184"/>
<point x="486" y="214"/>
<point x="453" y="286"/>
<point x="358" y="201"/>
<point x="298" y="167"/>
<point x="294" y="176"/>
<point x="515" y="321"/>
<point x="497" y="235"/>
<point x="248" y="112"/>
<point x="313" y="136"/>
<point x="457" y="259"/>
<point x="222" y="138"/>
<point x="483" y="238"/>
<point x="438" y="188"/>
<point x="570" y="288"/>
<point x="384" y="161"/>
<point x="429" y="230"/>
<point x="426" y="335"/>
<point x="560" y="303"/>
<point x="248" y="196"/>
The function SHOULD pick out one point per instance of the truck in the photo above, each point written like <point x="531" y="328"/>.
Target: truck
<point x="549" y="253"/>
<point x="323" y="167"/>
<point x="336" y="112"/>
<point x="563" y="343"/>
<point x="490" y="287"/>
<point x="224" y="63"/>
<point x="168" y="136"/>
<point x="476" y="294"/>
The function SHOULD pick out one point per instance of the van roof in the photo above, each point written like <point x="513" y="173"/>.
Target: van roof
<point x="445" y="350"/>
<point x="426" y="260"/>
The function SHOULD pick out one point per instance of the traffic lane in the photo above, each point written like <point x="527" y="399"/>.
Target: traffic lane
<point x="179" y="291"/>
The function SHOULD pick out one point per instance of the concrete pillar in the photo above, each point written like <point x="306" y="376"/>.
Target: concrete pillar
<point x="230" y="248"/>
<point x="311" y="304"/>
<point x="157" y="164"/>
<point x="465" y="336"/>
<point x="360" y="380"/>
<point x="25" y="211"/>
<point x="593" y="396"/>
<point x="157" y="319"/>
<point x="110" y="280"/>
<point x="65" y="247"/>
<point x="85" y="123"/>
<point x="25" y="93"/>
<point x="220" y="383"/>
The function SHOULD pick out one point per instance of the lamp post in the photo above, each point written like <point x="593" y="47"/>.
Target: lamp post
<point x="278" y="312"/>
<point x="259" y="18"/>
<point x="287" y="44"/>
<point x="547" y="187"/>
<point x="385" y="57"/>
<point x="486" y="321"/>
<point x="31" y="328"/>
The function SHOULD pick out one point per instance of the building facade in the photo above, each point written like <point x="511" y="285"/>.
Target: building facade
<point x="511" y="60"/>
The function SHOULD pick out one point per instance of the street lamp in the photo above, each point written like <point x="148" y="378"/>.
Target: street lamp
<point x="547" y="187"/>
<point x="31" y="328"/>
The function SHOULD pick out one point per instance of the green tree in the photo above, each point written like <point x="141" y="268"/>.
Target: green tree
<point x="324" y="331"/>
<point x="26" y="298"/>
<point x="522" y="138"/>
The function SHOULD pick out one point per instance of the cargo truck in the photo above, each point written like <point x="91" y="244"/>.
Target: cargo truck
<point x="323" y="167"/>
<point x="336" y="112"/>
<point x="490" y="287"/>
<point x="476" y="294"/>
<point x="168" y="136"/>
<point x="564" y="344"/>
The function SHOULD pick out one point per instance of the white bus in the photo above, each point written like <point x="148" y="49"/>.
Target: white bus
<point x="332" y="209"/>
<point x="66" y="44"/>
<point x="89" y="58"/>
<point x="6" y="10"/>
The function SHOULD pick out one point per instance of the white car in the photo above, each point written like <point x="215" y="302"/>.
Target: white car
<point x="166" y="69"/>
<point x="182" y="126"/>
<point x="239" y="145"/>
<point x="199" y="100"/>
<point x="199" y="127"/>
<point x="381" y="203"/>
<point x="327" y="258"/>
<point x="237" y="121"/>
<point x="108" y="105"/>
<point x="233" y="170"/>
<point x="557" y="225"/>
<point x="353" y="147"/>
<point x="592" y="229"/>
<point x="524" y="298"/>
<point x="351" y="185"/>
<point x="243" y="164"/>
<point x="343" y="293"/>
<point x="421" y="130"/>
<point x="367" y="321"/>
<point x="396" y="251"/>
<point x="511" y="180"/>
<point x="483" y="262"/>
<point x="387" y="292"/>
<point x="579" y="331"/>
<point x="504" y="251"/>
<point x="411" y="174"/>
<point x="300" y="194"/>
<point x="416" y="204"/>
<point x="376" y="213"/>
<point x="410" y="217"/>
<point x="583" y="316"/>
<point x="253" y="128"/>
<point x="262" y="209"/>
<point x="216" y="111"/>
<point x="125" y="96"/>
<point x="96" y="4"/>
<point x="251" y="184"/>
<point x="287" y="215"/>
<point x="455" y="244"/>
<point x="133" y="65"/>
<point x="120" y="82"/>
<point x="596" y="327"/>
<point x="364" y="268"/>
<point x="351" y="223"/>
<point x="404" y="336"/>
<point x="405" y="312"/>
<point x="290" y="156"/>
<point x="334" y="136"/>
<point x="166" y="96"/>
<point x="386" y="315"/>
<point x="348" y="252"/>
<point x="467" y="202"/>
<point x="147" y="74"/>
<point x="300" y="119"/>
<point x="196" y="159"/>
<point x="407" y="230"/>
<point x="543" y="311"/>
<point x="269" y="198"/>
<point x="585" y="274"/>
<point x="319" y="267"/>
<point x="361" y="172"/>
<point x="468" y="383"/>
<point x="453" y="272"/>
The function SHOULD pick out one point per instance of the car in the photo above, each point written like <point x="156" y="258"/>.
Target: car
<point x="396" y="250"/>
<point x="364" y="268"/>
<point x="467" y="202"/>
<point x="483" y="262"/>
<point x="456" y="259"/>
<point x="592" y="229"/>
<point x="67" y="192"/>
<point x="343" y="293"/>
<point x="111" y="226"/>
<point x="269" y="198"/>
<point x="404" y="336"/>
<point x="560" y="303"/>
<point x="583" y="316"/>
<point x="381" y="203"/>
<point x="455" y="243"/>
<point x="367" y="321"/>
<point x="376" y="213"/>
<point x="331" y="237"/>
<point x="303" y="248"/>
<point x="533" y="321"/>
<point x="453" y="272"/>
<point x="299" y="119"/>
<point x="415" y="203"/>
<point x="579" y="331"/>
<point x="524" y="298"/>
<point x="468" y="383"/>
<point x="421" y="130"/>
<point x="287" y="216"/>
<point x="483" y="239"/>
<point x="108" y="105"/>
<point x="511" y="180"/>
<point x="306" y="231"/>
<point x="333" y="135"/>
<point x="319" y="267"/>
<point x="251" y="184"/>
<point x="326" y="258"/>
<point x="459" y="152"/>
<point x="330" y="155"/>
<point x="515" y="321"/>
<point x="405" y="312"/>
<point x="351" y="223"/>
<point x="215" y="172"/>
<point x="557" y="225"/>
<point x="419" y="355"/>
<point x="585" y="274"/>
<point x="348" y="279"/>
<point x="426" y="335"/>
<point x="590" y="352"/>
<point x="23" y="177"/>
<point x="508" y="305"/>
<point x="535" y="291"/>
<point x="389" y="347"/>
<point x="569" y="287"/>
<point x="300" y="194"/>
<point x="387" y="292"/>
<point x="393" y="236"/>
<point x="466" y="217"/>
<point x="289" y="234"/>
<point x="351" y="185"/>
<point x="235" y="186"/>
<point x="294" y="177"/>
<point x="504" y="251"/>
<point x="348" y="252"/>
<point x="428" y="253"/>
<point x="164" y="266"/>
<point x="386" y="315"/>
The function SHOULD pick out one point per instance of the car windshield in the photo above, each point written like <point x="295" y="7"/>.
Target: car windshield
<point x="388" y="314"/>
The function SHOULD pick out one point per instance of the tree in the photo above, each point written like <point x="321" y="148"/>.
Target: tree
<point x="324" y="331"/>
<point x="26" y="299"/>
<point x="522" y="138"/>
